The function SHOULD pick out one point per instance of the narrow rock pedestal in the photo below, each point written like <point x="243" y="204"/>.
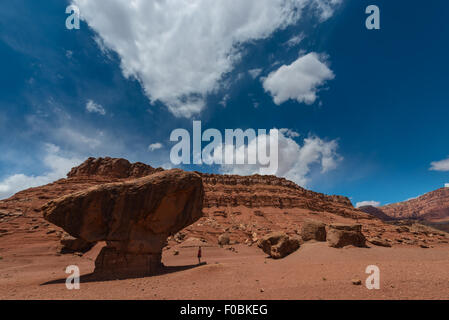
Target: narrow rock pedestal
<point x="111" y="262"/>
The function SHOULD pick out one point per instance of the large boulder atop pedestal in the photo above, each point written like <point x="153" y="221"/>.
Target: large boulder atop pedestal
<point x="133" y="217"/>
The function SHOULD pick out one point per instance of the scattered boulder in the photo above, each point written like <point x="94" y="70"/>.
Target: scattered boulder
<point x="134" y="218"/>
<point x="402" y="229"/>
<point x="258" y="213"/>
<point x="380" y="242"/>
<point x="224" y="239"/>
<point x="278" y="245"/>
<point x="193" y="242"/>
<point x="313" y="230"/>
<point x="341" y="235"/>
<point x="356" y="282"/>
<point x="179" y="237"/>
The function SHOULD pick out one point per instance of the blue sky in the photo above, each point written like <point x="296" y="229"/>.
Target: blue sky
<point x="117" y="86"/>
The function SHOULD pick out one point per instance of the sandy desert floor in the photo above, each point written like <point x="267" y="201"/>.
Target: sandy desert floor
<point x="315" y="271"/>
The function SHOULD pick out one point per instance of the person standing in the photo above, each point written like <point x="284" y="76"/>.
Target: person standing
<point x="199" y="255"/>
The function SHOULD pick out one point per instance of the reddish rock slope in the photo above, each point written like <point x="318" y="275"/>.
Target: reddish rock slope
<point x="432" y="207"/>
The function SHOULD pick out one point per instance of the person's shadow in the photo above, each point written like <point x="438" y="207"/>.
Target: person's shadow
<point x="98" y="277"/>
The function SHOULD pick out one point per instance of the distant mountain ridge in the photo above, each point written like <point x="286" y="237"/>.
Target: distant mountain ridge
<point x="376" y="212"/>
<point x="432" y="206"/>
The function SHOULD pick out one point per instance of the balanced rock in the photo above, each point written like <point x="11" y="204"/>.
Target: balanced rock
<point x="313" y="230"/>
<point x="341" y="235"/>
<point x="278" y="245"/>
<point x="134" y="217"/>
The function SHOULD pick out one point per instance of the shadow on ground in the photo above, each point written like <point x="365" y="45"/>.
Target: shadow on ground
<point x="94" y="277"/>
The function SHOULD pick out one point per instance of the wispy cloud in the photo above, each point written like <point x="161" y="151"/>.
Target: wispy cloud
<point x="367" y="203"/>
<point x="254" y="73"/>
<point x="155" y="146"/>
<point x="93" y="107"/>
<point x="442" y="165"/>
<point x="294" y="41"/>
<point x="57" y="166"/>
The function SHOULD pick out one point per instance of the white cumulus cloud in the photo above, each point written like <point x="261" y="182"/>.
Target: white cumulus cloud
<point x="295" y="162"/>
<point x="299" y="81"/>
<point x="58" y="167"/>
<point x="367" y="203"/>
<point x="446" y="185"/>
<point x="93" y="107"/>
<point x="442" y="165"/>
<point x="180" y="49"/>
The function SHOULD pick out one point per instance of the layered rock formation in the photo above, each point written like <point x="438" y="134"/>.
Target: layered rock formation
<point x="269" y="191"/>
<point x="133" y="217"/>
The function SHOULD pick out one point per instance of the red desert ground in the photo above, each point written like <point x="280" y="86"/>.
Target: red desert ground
<point x="134" y="232"/>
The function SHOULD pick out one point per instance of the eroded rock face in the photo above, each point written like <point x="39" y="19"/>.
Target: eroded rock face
<point x="380" y="242"/>
<point x="71" y="244"/>
<point x="313" y="230"/>
<point x="341" y="235"/>
<point x="133" y="217"/>
<point x="113" y="168"/>
<point x="278" y="245"/>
